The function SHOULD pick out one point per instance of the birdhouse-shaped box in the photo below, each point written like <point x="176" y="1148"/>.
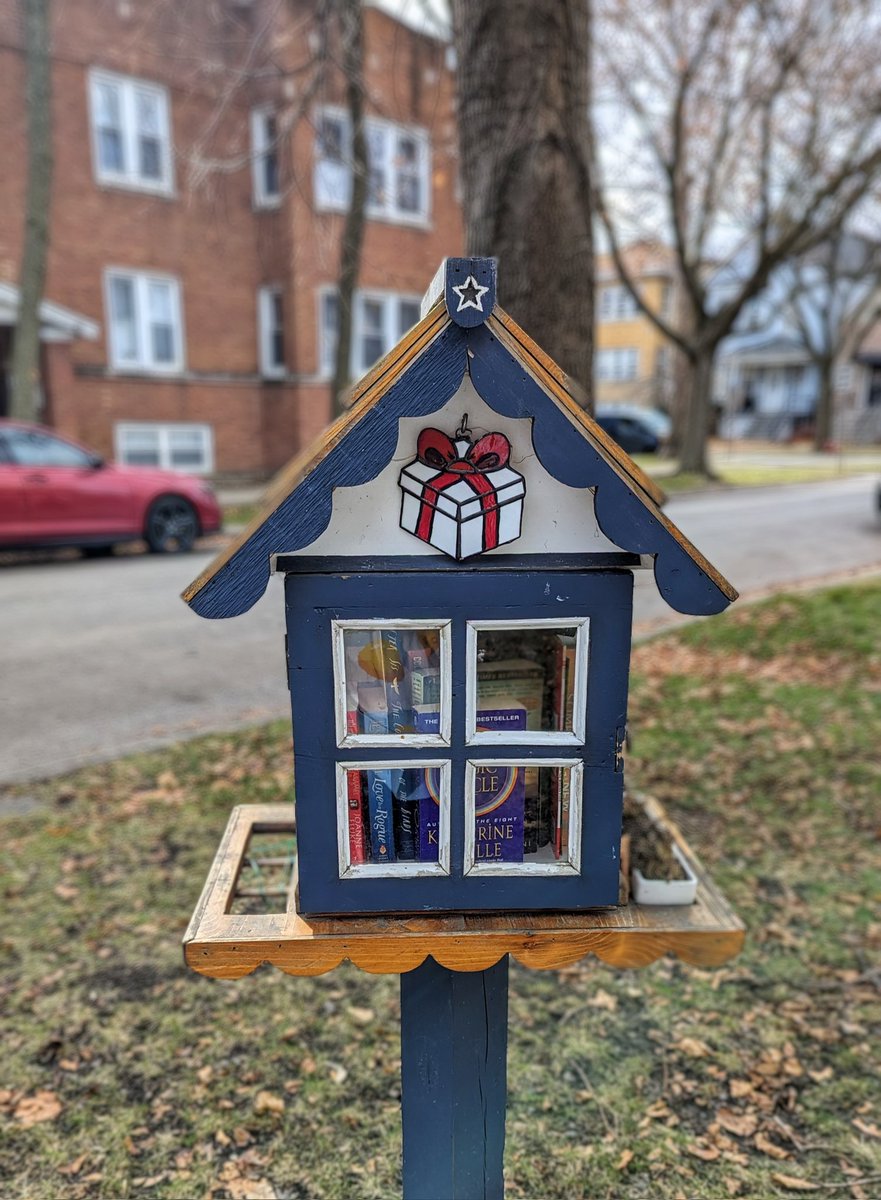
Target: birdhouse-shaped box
<point x="459" y="553"/>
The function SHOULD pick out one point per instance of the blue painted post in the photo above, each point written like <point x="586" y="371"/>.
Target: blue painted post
<point x="454" y="1042"/>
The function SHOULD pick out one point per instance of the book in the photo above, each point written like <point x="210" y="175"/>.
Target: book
<point x="426" y="719"/>
<point x="517" y="678"/>
<point x="500" y="794"/>
<point x="354" y="779"/>
<point x="564" y="709"/>
<point x="380" y="803"/>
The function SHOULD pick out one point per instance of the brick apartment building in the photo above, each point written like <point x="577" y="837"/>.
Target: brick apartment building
<point x="199" y="193"/>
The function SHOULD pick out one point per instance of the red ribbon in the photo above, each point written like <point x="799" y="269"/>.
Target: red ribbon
<point x="490" y="453"/>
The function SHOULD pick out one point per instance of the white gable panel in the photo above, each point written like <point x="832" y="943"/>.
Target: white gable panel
<point x="557" y="519"/>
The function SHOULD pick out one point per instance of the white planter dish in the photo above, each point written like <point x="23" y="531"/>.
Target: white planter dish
<point x="664" y="891"/>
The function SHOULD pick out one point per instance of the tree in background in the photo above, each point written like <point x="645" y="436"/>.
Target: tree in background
<point x="26" y="345"/>
<point x="744" y="134"/>
<point x="523" y="96"/>
<point x="833" y="296"/>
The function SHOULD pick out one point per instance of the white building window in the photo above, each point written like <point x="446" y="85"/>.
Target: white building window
<point x="173" y="447"/>
<point x="270" y="329"/>
<point x="379" y="321"/>
<point x="131" y="132"/>
<point x="144" y="322"/>
<point x="617" y="364"/>
<point x="617" y="304"/>
<point x="265" y="158"/>
<point x="398" y="157"/>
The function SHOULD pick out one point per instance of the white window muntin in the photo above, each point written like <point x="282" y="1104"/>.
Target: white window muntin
<point x="270" y="332"/>
<point x="144" y="321"/>
<point x="385" y="740"/>
<point x="572" y="865"/>
<point x="399" y="162"/>
<point x="617" y="363"/>
<point x="265" y="158"/>
<point x="617" y="304"/>
<point x="133" y="117"/>
<point x="395" y="314"/>
<point x="411" y="868"/>
<point x="525" y="737"/>
<point x="165" y="445"/>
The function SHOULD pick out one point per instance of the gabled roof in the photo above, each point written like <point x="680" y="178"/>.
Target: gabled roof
<point x="516" y="379"/>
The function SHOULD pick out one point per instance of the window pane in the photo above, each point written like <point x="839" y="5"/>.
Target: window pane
<point x="531" y="671"/>
<point x="377" y="188"/>
<point x="122" y="316"/>
<point x="372" y="341"/>
<point x="150" y="157"/>
<point x="148" y="113"/>
<point x="140" y="447"/>
<point x="330" y="324"/>
<point x="393" y="681"/>
<point x="186" y="448"/>
<point x="160" y="306"/>
<point x="110" y="151"/>
<point x="408" y="315"/>
<point x="41" y="450"/>
<point x="524" y="815"/>
<point x="393" y="814"/>
<point x="331" y="139"/>
<point x="270" y="157"/>
<point x="332" y="180"/>
<point x="408" y="184"/>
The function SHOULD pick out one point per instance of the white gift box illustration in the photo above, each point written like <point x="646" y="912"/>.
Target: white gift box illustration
<point x="460" y="496"/>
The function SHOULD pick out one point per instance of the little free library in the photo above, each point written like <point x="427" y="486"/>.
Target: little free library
<point x="458" y="553"/>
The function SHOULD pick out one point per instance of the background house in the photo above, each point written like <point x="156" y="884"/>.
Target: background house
<point x="633" y="363"/>
<point x="201" y="182"/>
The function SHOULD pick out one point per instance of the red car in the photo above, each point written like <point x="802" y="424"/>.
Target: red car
<point x="56" y="493"/>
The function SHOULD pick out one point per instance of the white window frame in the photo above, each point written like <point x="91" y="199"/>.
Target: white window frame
<point x="390" y="131"/>
<point x="410" y="868"/>
<point x="387" y="740"/>
<point x="617" y="364"/>
<point x="572" y="866"/>
<point x="130" y="177"/>
<point x="616" y="304"/>
<point x="391" y="302"/>
<point x="265" y="328"/>
<point x="144" y="363"/>
<point x="164" y="430"/>
<point x="261" y="147"/>
<point x="529" y="737"/>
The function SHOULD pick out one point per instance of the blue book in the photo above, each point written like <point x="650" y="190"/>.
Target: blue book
<point x="380" y="807"/>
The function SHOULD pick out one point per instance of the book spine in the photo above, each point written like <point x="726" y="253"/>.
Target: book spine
<point x="355" y="798"/>
<point x="406" y="816"/>
<point x="380" y="808"/>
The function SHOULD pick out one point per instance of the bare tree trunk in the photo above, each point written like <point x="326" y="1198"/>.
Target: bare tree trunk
<point x="26" y="346"/>
<point x="523" y="92"/>
<point x="697" y="413"/>
<point x="353" y="234"/>
<point x="823" y="420"/>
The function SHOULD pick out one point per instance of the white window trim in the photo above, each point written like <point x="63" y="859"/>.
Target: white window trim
<point x="410" y="869"/>
<point x="386" y="740"/>
<point x="143" y="366"/>
<point x="386" y="213"/>
<point x="528" y="737"/>
<point x="614" y="356"/>
<point x="391" y="302"/>
<point x="259" y="149"/>
<point x="164" y="430"/>
<point x="129" y="179"/>
<point x="572" y="866"/>
<point x="268" y="369"/>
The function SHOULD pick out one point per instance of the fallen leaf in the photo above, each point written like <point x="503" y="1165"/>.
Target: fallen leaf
<point x="241" y="1137"/>
<point x="822" y="1076"/>
<point x="740" y="1124"/>
<point x="42" y="1106"/>
<point x="770" y="1148"/>
<point x="267" y="1102"/>
<point x="624" y="1161"/>
<point x="707" y="1153"/>
<point x="693" y="1047"/>
<point x="222" y="1139"/>
<point x="250" y="1189"/>
<point x="793" y="1183"/>
<point x="74" y="1167"/>
<point x="603" y="999"/>
<point x="204" y="1074"/>
<point x="66" y="891"/>
<point x="361" y="1016"/>
<point x="866" y="1127"/>
<point x="338" y="1072"/>
<point x="739" y="1088"/>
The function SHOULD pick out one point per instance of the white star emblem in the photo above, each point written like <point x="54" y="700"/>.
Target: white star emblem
<point x="470" y="294"/>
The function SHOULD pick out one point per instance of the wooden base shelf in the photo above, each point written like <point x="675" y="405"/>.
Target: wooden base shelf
<point x="227" y="946"/>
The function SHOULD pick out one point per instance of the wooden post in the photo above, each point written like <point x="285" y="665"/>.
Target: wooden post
<point x="454" y="1041"/>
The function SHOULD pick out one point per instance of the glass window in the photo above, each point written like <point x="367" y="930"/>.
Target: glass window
<point x="519" y="815"/>
<point x="380" y="320"/>
<point x="523" y="682"/>
<point x="131" y="132"/>
<point x="174" y="447"/>
<point x="32" y="449"/>
<point x="408" y="316"/>
<point x="144" y="321"/>
<point x="371" y="339"/>
<point x="270" y="308"/>
<point x="265" y="158"/>
<point x="393" y="818"/>
<point x="332" y="176"/>
<point x="392" y="683"/>
<point x="330" y="330"/>
<point x="140" y="448"/>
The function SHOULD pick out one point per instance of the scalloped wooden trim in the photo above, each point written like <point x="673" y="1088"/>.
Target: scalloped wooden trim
<point x="223" y="946"/>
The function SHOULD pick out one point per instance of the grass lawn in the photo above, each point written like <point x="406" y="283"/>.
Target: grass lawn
<point x="126" y="1076"/>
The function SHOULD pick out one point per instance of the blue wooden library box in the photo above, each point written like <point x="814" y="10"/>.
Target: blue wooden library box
<point x="459" y="553"/>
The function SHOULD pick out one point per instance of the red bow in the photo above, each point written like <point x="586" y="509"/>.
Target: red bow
<point x="489" y="453"/>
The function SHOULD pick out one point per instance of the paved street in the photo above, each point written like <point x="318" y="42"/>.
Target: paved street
<point x="100" y="658"/>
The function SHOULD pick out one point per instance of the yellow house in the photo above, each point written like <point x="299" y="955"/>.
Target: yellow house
<point x="633" y="362"/>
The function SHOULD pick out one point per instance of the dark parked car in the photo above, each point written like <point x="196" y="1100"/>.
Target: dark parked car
<point x="630" y="433"/>
<point x="54" y="492"/>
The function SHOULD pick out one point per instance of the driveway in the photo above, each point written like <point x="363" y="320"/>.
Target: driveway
<point x="100" y="658"/>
